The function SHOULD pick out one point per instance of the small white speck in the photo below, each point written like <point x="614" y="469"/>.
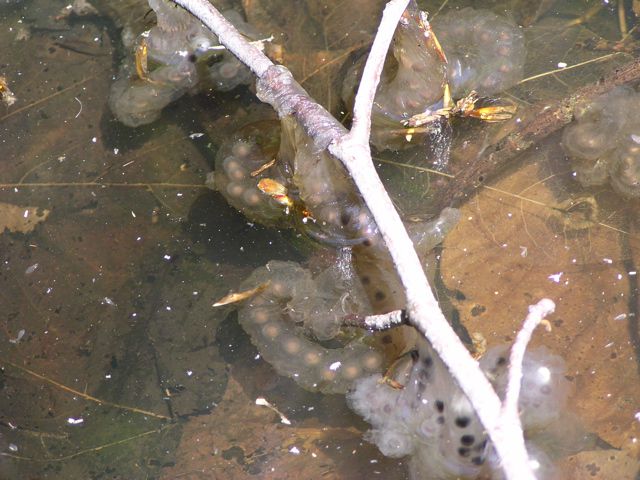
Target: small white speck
<point x="108" y="301"/>
<point x="108" y="376"/>
<point x="524" y="251"/>
<point x="196" y="135"/>
<point x="18" y="338"/>
<point x="189" y="373"/>
<point x="632" y="273"/>
<point x="133" y="214"/>
<point x="116" y="151"/>
<point x="313" y="454"/>
<point x="294" y="450"/>
<point x="74" y="421"/>
<point x="622" y="316"/>
<point x="607" y="260"/>
<point x="555" y="277"/>
<point x="13" y="447"/>
<point x="167" y="257"/>
<point x="94" y="139"/>
<point x="562" y="65"/>
<point x="31" y="269"/>
<point x="335" y="366"/>
<point x="637" y="415"/>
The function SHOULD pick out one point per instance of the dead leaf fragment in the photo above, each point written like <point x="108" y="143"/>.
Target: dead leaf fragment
<point x="235" y="297"/>
<point x="19" y="219"/>
<point x="6" y="95"/>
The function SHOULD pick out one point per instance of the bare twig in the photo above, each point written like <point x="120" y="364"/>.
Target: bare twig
<point x="537" y="313"/>
<point x="361" y="127"/>
<point x="377" y="323"/>
<point x="277" y="86"/>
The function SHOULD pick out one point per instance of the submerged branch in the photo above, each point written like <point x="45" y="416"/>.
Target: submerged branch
<point x="537" y="314"/>
<point x="277" y="87"/>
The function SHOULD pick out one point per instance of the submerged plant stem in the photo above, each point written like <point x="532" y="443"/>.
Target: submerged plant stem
<point x="84" y="395"/>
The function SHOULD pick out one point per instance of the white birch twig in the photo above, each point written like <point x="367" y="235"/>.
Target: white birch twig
<point x="277" y="86"/>
<point x="537" y="314"/>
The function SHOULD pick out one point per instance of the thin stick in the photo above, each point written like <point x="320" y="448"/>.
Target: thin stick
<point x="92" y="449"/>
<point x="277" y="86"/>
<point x="537" y="314"/>
<point x="570" y="67"/>
<point x="361" y="127"/>
<point x="84" y="395"/>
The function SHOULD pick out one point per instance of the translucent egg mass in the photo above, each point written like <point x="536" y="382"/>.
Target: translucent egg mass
<point x="603" y="143"/>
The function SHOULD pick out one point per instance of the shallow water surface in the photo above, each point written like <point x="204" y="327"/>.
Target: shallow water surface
<point x="114" y="362"/>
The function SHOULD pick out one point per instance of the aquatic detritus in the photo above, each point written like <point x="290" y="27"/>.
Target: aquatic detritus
<point x="603" y="142"/>
<point x="173" y="58"/>
<point x="485" y="51"/>
<point x="432" y="421"/>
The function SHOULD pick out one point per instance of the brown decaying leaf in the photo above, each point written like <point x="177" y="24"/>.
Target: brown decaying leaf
<point x="19" y="219"/>
<point x="240" y="440"/>
<point x="506" y="254"/>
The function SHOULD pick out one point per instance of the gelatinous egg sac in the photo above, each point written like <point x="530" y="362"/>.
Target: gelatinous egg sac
<point x="321" y="198"/>
<point x="485" y="51"/>
<point x="166" y="61"/>
<point x="431" y="420"/>
<point x="241" y="162"/>
<point x="603" y="142"/>
<point x="295" y="310"/>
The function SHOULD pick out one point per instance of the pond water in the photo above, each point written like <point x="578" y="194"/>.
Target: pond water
<point x="114" y="363"/>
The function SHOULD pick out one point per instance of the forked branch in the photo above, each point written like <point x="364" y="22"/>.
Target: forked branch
<point x="277" y="87"/>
